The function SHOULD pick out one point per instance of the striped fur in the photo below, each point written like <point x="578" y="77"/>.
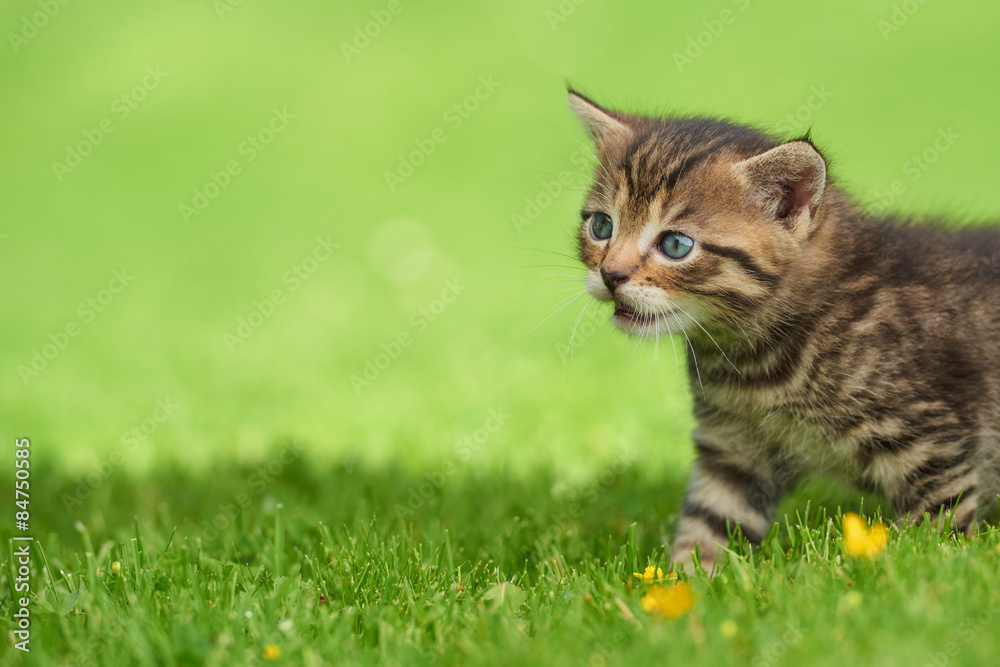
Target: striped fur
<point x="820" y="341"/>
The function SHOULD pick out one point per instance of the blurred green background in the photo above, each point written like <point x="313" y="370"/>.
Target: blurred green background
<point x="877" y="82"/>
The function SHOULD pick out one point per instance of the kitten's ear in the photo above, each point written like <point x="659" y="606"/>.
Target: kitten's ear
<point x="602" y="125"/>
<point x="788" y="181"/>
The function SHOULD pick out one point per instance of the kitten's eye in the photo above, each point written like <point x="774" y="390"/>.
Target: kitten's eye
<point x="601" y="226"/>
<point x="675" y="245"/>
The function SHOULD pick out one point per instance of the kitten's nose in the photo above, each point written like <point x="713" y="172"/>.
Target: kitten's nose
<point x="613" y="279"/>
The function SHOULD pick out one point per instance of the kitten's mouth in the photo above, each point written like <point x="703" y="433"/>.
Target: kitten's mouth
<point x="628" y="317"/>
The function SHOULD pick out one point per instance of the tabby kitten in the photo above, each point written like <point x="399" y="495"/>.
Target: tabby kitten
<point x="819" y="340"/>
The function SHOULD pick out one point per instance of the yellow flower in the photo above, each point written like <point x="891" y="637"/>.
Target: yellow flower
<point x="861" y="541"/>
<point x="652" y="573"/>
<point x="670" y="601"/>
<point x="729" y="628"/>
<point x="271" y="652"/>
<point x="116" y="567"/>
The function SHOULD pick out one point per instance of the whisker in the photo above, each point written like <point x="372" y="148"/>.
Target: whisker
<point x="572" y="282"/>
<point x="523" y="295"/>
<point x="585" y="146"/>
<point x="547" y="250"/>
<point x="677" y="362"/>
<point x="565" y="302"/>
<point x="572" y="335"/>
<point x="573" y="286"/>
<point x="639" y="340"/>
<point x="710" y="338"/>
<point x="600" y="164"/>
<point x="695" y="357"/>
<point x="533" y="276"/>
<point x="656" y="347"/>
<point x="526" y="267"/>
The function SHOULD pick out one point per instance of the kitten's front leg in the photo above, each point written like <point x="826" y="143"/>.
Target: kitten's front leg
<point x="724" y="493"/>
<point x="945" y="487"/>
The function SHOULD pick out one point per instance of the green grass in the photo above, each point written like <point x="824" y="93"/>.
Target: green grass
<point x="487" y="571"/>
<point x="106" y="452"/>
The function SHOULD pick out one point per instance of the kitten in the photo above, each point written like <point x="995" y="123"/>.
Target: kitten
<point x="819" y="340"/>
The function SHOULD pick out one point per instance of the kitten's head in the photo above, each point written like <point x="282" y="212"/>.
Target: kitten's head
<point x="692" y="222"/>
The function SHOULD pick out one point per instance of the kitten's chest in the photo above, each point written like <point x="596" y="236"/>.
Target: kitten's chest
<point x="799" y="427"/>
<point x="792" y="398"/>
<point x="810" y="443"/>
